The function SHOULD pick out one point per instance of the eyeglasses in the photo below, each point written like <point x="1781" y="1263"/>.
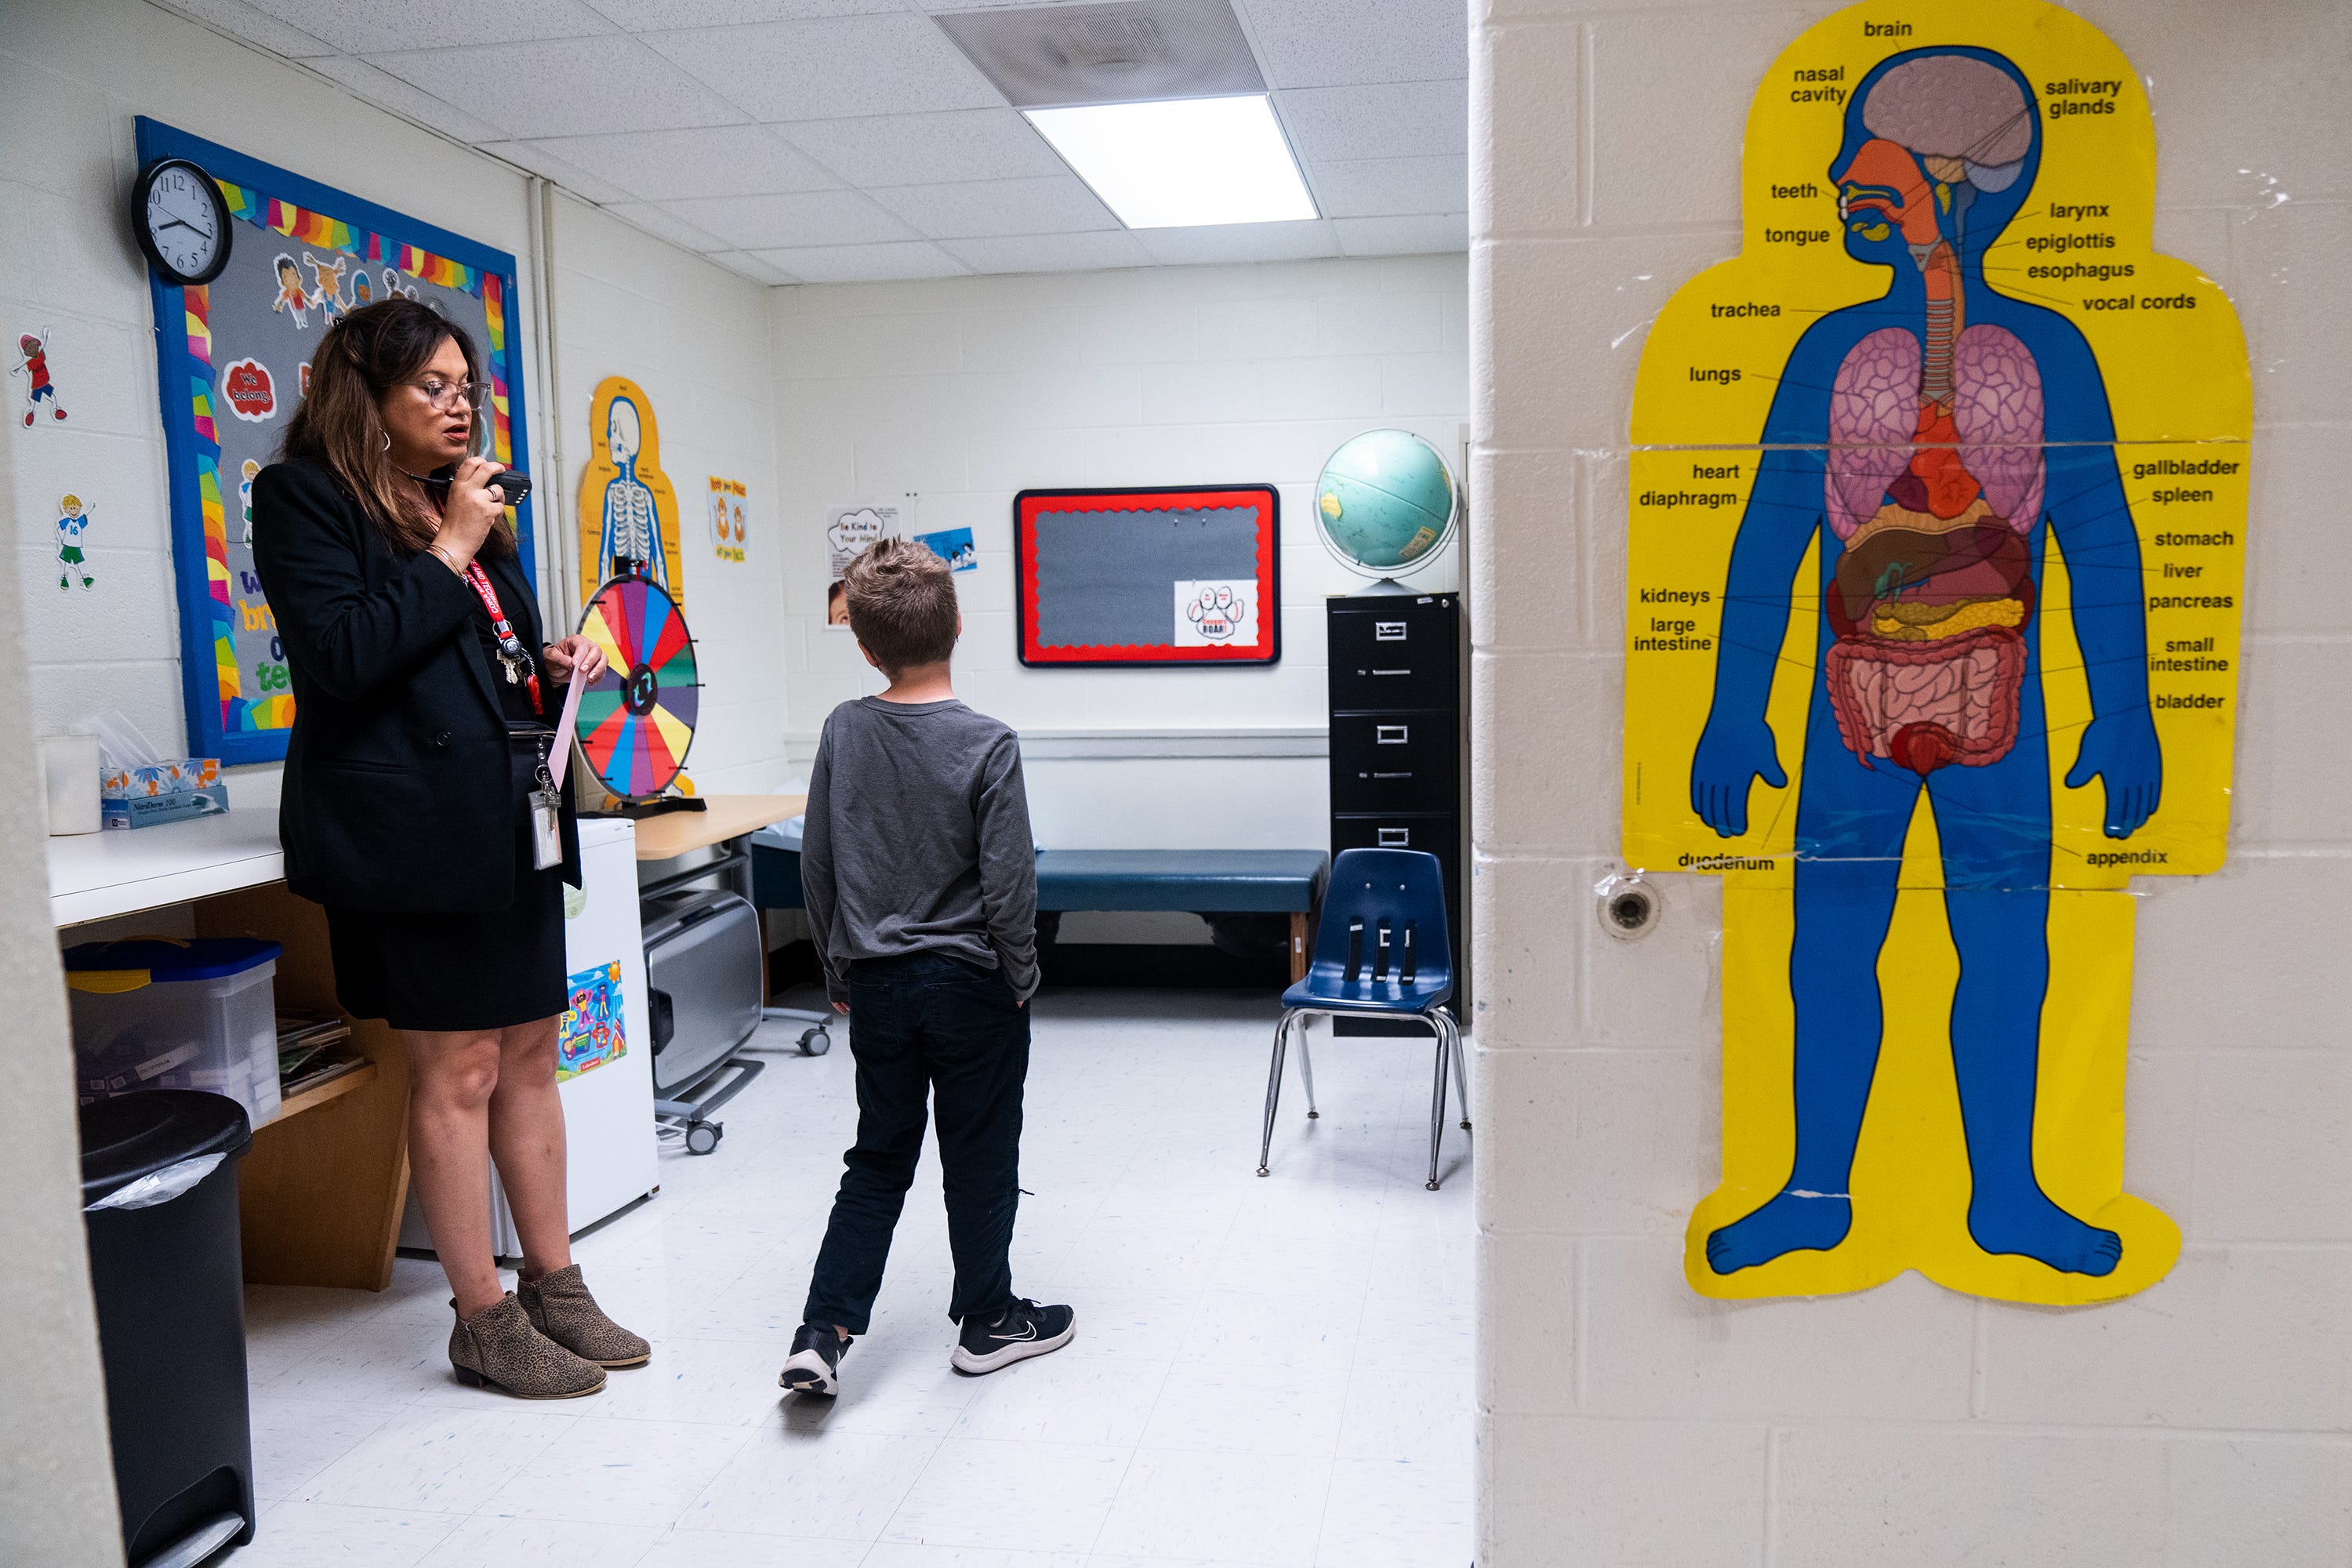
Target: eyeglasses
<point x="444" y="396"/>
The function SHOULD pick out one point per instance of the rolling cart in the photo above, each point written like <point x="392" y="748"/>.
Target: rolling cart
<point x="707" y="963"/>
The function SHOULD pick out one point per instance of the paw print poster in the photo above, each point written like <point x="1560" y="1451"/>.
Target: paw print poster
<point x="1216" y="613"/>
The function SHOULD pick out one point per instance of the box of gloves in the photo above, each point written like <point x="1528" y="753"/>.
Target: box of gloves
<point x="169" y="791"/>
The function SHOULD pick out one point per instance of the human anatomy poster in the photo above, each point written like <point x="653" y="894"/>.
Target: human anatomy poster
<point x="629" y="507"/>
<point x="1938" y="516"/>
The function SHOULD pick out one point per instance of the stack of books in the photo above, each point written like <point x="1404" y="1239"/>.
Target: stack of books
<point x="313" y="1049"/>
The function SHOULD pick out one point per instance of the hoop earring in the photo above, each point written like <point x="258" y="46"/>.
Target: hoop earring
<point x="387" y="440"/>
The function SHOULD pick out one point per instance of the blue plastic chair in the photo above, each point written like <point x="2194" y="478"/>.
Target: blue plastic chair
<point x="1381" y="949"/>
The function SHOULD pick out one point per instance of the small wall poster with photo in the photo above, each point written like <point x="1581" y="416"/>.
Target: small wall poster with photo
<point x="728" y="525"/>
<point x="847" y="530"/>
<point x="954" y="546"/>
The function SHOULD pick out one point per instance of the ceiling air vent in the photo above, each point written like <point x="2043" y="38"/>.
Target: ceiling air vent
<point x="1140" y="50"/>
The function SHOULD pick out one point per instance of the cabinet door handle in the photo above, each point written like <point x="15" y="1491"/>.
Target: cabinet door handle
<point x="1388" y="631"/>
<point x="1396" y="837"/>
<point x="1391" y="734"/>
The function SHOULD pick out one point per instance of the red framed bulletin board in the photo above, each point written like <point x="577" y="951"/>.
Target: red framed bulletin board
<point x="1149" y="576"/>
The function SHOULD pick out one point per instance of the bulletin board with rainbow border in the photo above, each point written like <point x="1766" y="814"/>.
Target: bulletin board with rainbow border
<point x="232" y="365"/>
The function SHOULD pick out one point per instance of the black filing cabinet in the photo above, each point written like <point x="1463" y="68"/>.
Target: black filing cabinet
<point x="1400" y="742"/>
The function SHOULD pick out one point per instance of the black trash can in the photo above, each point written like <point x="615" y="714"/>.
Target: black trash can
<point x="159" y="1202"/>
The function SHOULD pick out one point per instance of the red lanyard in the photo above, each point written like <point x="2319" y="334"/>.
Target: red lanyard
<point x="510" y="648"/>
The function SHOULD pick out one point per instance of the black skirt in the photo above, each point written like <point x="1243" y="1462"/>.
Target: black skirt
<point x="460" y="972"/>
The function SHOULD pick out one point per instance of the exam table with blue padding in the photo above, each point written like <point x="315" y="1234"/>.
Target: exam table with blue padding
<point x="1193" y="882"/>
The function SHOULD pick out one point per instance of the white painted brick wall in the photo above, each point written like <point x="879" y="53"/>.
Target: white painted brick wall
<point x="74" y="76"/>
<point x="970" y="390"/>
<point x="695" y="338"/>
<point x="1623" y="1419"/>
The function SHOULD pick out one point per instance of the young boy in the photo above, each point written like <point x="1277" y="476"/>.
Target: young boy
<point x="921" y="882"/>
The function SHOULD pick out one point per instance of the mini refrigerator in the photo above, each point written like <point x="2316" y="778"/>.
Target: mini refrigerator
<point x="604" y="1058"/>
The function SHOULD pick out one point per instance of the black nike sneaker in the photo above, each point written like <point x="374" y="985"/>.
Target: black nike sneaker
<point x="1024" y="1330"/>
<point x="814" y="1367"/>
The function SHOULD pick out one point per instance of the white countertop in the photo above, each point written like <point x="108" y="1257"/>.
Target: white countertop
<point x="93" y="876"/>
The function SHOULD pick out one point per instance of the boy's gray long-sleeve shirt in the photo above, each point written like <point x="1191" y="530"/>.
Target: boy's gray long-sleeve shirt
<point x="918" y="841"/>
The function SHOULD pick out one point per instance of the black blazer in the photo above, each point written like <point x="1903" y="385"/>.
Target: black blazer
<point x="399" y="793"/>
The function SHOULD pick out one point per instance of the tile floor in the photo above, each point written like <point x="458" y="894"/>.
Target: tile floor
<point x="1271" y="1372"/>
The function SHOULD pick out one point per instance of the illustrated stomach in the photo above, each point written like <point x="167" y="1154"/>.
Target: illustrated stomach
<point x="1933" y="503"/>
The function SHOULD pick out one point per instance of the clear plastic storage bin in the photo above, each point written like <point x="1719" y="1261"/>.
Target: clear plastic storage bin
<point x="156" y="1013"/>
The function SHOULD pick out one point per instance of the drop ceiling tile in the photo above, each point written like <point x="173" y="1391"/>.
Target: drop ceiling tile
<point x="677" y="165"/>
<point x="926" y="148"/>
<point x="1051" y="252"/>
<point x="663" y="223"/>
<point x="831" y="67"/>
<point x="750" y="266"/>
<point x="389" y="91"/>
<point x="574" y="87"/>
<point x="1241" y="242"/>
<point x="1396" y="120"/>
<point x="255" y="27"/>
<point x="1403" y="236"/>
<point x="1056" y="204"/>
<point x="801" y="218"/>
<point x="865" y="263"/>
<point x="367" y="28"/>
<point x="662" y="15"/>
<point x="1334" y="43"/>
<point x="1385" y="187"/>
<point x="585" y="183"/>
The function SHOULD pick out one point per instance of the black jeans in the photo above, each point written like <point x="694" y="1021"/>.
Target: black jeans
<point x="926" y="1023"/>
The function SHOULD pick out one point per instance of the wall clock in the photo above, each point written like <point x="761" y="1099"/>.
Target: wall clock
<point x="181" y="221"/>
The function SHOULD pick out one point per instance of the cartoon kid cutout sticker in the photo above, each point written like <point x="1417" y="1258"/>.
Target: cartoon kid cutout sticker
<point x="291" y="296"/>
<point x="327" y="286"/>
<point x="73" y="519"/>
<point x="1936" y="578"/>
<point x="248" y="472"/>
<point x="32" y="365"/>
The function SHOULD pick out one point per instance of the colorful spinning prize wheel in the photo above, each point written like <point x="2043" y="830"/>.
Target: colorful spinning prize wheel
<point x="637" y="719"/>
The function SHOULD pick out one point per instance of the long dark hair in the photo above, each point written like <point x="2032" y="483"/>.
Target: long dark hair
<point x="361" y="357"/>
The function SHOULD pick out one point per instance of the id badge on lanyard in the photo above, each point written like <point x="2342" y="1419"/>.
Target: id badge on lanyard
<point x="546" y="819"/>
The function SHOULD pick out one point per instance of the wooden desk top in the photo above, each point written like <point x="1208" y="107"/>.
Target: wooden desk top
<point x="677" y="833"/>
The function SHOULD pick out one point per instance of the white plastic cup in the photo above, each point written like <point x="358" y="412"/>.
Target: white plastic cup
<point x="70" y="783"/>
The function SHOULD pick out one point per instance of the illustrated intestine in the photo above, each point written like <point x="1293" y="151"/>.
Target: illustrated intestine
<point x="1934" y="472"/>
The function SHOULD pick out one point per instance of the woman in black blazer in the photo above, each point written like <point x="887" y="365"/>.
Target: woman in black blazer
<point x="414" y="808"/>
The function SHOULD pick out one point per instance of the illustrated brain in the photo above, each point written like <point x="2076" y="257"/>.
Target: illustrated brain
<point x="1954" y="107"/>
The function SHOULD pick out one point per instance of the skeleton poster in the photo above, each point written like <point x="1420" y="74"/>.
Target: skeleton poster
<point x="1938" y="526"/>
<point x="628" y="508"/>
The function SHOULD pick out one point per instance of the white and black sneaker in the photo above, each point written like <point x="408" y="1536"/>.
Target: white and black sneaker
<point x="1024" y="1330"/>
<point x="816" y="1364"/>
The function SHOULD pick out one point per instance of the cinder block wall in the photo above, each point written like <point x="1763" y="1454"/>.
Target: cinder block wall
<point x="1623" y="1419"/>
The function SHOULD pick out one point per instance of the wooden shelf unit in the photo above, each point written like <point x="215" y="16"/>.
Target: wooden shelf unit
<point x="334" y="1088"/>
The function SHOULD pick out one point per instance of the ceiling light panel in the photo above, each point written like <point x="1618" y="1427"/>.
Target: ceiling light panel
<point x="1183" y="162"/>
<point x="1052" y="56"/>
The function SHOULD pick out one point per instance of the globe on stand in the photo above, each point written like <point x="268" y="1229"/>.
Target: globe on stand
<point x="1386" y="503"/>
